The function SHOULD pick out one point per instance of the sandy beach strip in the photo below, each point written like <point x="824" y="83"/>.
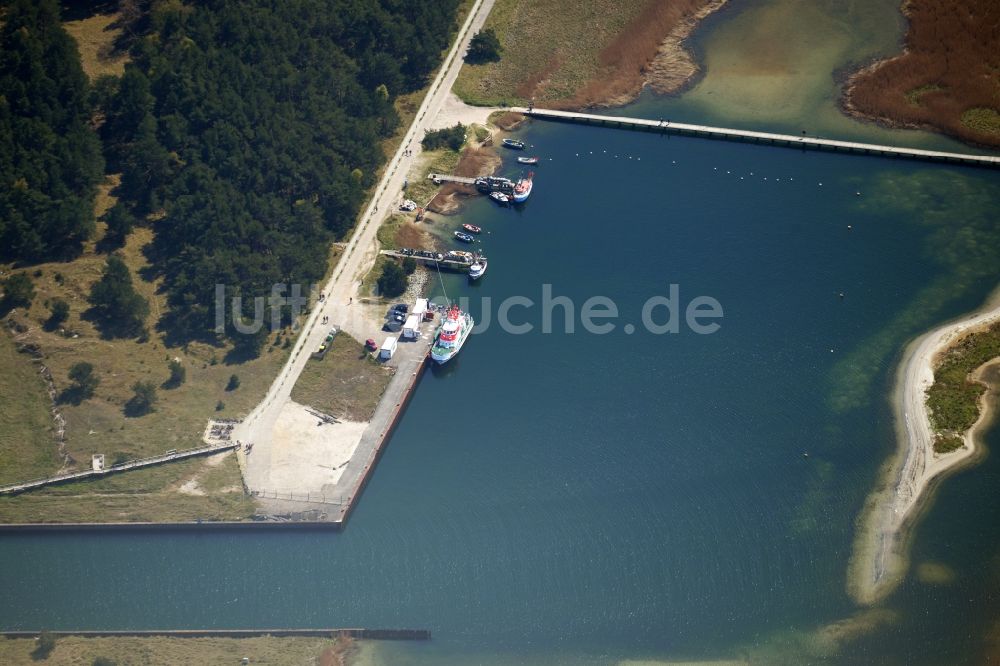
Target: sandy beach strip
<point x="879" y="559"/>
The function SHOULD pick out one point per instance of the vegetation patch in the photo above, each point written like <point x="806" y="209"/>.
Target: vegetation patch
<point x="594" y="53"/>
<point x="953" y="399"/>
<point x="347" y="383"/>
<point x="985" y="121"/>
<point x="948" y="68"/>
<point x="913" y="97"/>
<point x="446" y="137"/>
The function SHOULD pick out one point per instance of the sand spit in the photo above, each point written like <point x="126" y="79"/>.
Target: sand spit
<point x="879" y="559"/>
<point x="674" y="67"/>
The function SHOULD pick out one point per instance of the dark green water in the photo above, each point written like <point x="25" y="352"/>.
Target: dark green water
<point x="579" y="497"/>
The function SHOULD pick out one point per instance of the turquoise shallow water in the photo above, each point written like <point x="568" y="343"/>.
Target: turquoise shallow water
<point x="578" y="497"/>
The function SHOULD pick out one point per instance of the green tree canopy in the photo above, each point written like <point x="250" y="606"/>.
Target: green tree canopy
<point x="255" y="128"/>
<point x="50" y="158"/>
<point x="120" y="223"/>
<point x="178" y="373"/>
<point x="18" y="292"/>
<point x="59" y="312"/>
<point x="85" y="382"/>
<point x="118" y="309"/>
<point x="446" y="137"/>
<point x="483" y="47"/>
<point x="143" y="399"/>
<point x="392" y="282"/>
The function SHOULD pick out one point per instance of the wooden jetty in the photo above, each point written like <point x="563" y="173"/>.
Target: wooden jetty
<point x="767" y="138"/>
<point x="439" y="178"/>
<point x="170" y="456"/>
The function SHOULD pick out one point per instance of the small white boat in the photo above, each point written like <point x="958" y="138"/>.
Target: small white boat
<point x="464" y="237"/>
<point x="478" y="268"/>
<point x="500" y="197"/>
<point x="511" y="143"/>
<point x="528" y="160"/>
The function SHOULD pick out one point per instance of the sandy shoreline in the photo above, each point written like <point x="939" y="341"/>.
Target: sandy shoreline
<point x="879" y="559"/>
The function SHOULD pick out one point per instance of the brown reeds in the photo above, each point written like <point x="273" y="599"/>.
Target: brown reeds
<point x="948" y="73"/>
<point x="624" y="61"/>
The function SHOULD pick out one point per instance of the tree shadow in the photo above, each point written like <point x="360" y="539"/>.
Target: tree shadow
<point x="77" y="10"/>
<point x="72" y="395"/>
<point x="112" y="328"/>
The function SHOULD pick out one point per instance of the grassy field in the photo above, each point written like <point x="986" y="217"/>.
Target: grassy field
<point x="346" y="383"/>
<point x="27" y="439"/>
<point x="95" y="36"/>
<point x="173" y="651"/>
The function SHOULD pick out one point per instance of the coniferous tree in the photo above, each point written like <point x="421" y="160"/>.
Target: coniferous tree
<point x="50" y="158"/>
<point x="59" y="312"/>
<point x="118" y="308"/>
<point x="18" y="292"/>
<point x="120" y="223"/>
<point x="143" y="399"/>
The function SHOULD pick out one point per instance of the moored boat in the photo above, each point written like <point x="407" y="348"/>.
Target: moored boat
<point x="522" y="190"/>
<point x="478" y="268"/>
<point x="472" y="229"/>
<point x="464" y="237"/>
<point x="528" y="160"/>
<point x="511" y="143"/>
<point x="499" y="197"/>
<point x="451" y="335"/>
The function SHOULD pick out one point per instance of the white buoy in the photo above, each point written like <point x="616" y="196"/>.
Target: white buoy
<point x="821" y="184"/>
<point x="857" y="194"/>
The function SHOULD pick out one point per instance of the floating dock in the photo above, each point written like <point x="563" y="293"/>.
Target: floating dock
<point x="803" y="142"/>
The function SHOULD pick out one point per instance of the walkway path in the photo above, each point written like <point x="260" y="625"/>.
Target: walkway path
<point x="789" y="140"/>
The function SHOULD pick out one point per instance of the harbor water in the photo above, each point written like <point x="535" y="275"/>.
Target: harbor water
<point x="564" y="496"/>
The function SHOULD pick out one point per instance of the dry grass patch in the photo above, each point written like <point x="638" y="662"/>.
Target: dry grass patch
<point x="594" y="53"/>
<point x="174" y="651"/>
<point x="347" y="383"/>
<point x="95" y="37"/>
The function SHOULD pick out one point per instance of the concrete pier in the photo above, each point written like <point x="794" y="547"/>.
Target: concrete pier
<point x="768" y="138"/>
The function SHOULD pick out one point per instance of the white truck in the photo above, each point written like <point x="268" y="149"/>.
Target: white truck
<point x="411" y="329"/>
<point x="388" y="348"/>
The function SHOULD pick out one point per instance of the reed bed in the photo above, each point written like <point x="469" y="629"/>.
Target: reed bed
<point x="948" y="76"/>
